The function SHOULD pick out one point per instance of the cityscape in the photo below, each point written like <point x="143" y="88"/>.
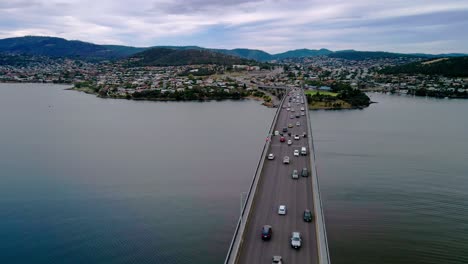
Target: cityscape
<point x="254" y="131"/>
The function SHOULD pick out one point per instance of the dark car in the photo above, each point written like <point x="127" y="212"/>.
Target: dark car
<point x="266" y="232"/>
<point x="305" y="172"/>
<point x="289" y="133"/>
<point x="304" y="134"/>
<point x="307" y="215"/>
<point x="285" y="129"/>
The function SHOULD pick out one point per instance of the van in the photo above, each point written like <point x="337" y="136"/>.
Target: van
<point x="303" y="151"/>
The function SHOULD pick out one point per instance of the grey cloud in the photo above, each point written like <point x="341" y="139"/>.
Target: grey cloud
<point x="10" y="4"/>
<point x="189" y="6"/>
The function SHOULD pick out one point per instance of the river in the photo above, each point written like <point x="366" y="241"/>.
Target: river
<point x="90" y="180"/>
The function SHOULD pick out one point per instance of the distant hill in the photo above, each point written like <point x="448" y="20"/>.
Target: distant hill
<point x="365" y="55"/>
<point x="302" y="53"/>
<point x="450" y="67"/>
<point x="174" y="57"/>
<point x="59" y="47"/>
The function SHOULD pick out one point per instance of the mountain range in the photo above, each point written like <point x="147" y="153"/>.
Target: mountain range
<point x="59" y="47"/>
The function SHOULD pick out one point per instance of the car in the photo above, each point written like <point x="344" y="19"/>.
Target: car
<point x="277" y="260"/>
<point x="291" y="116"/>
<point x="298" y="115"/>
<point x="276" y="132"/>
<point x="304" y="172"/>
<point x="286" y="160"/>
<point x="289" y="142"/>
<point x="302" y="114"/>
<point x="304" y="151"/>
<point x="292" y="110"/>
<point x="295" y="174"/>
<point x="282" y="139"/>
<point x="296" y="240"/>
<point x="289" y="133"/>
<point x="304" y="134"/>
<point x="298" y="123"/>
<point x="307" y="215"/>
<point x="266" y="232"/>
<point x="296" y="153"/>
<point x="285" y="129"/>
<point x="290" y="125"/>
<point x="288" y="109"/>
<point x="296" y="137"/>
<point x="271" y="156"/>
<point x="302" y="108"/>
<point x="282" y="210"/>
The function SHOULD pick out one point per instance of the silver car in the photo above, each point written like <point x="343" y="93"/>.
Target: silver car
<point x="286" y="160"/>
<point x="296" y="240"/>
<point x="295" y="174"/>
<point x="277" y="260"/>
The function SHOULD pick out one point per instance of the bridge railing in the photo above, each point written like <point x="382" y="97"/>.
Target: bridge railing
<point x="236" y="241"/>
<point x="322" y="242"/>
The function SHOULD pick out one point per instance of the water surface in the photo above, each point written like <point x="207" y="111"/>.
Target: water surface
<point x="394" y="179"/>
<point x="89" y="180"/>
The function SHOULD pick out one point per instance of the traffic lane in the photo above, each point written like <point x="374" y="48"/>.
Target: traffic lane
<point x="276" y="192"/>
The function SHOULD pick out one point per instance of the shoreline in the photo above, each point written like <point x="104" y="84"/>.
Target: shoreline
<point x="250" y="97"/>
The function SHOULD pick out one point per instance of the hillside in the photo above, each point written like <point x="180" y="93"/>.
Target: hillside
<point x="251" y="54"/>
<point x="174" y="57"/>
<point x="58" y="47"/>
<point x="450" y="67"/>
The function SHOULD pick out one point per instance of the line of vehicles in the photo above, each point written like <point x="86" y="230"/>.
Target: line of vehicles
<point x="267" y="230"/>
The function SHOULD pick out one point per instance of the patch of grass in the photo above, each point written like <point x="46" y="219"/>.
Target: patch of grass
<point x="321" y="92"/>
<point x="337" y="104"/>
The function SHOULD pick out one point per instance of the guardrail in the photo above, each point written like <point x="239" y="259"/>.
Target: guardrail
<point x="322" y="242"/>
<point x="236" y="241"/>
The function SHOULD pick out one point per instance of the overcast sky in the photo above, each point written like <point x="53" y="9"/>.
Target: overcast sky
<point x="431" y="26"/>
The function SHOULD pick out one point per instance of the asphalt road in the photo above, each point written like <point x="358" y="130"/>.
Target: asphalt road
<point x="276" y="187"/>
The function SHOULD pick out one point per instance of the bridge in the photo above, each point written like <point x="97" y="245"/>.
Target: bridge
<point x="272" y="185"/>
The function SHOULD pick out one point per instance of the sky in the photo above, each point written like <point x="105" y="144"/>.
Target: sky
<point x="407" y="26"/>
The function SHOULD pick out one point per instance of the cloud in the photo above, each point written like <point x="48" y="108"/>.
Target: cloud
<point x="272" y="25"/>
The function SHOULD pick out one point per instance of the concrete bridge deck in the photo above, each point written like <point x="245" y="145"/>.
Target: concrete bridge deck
<point x="273" y="186"/>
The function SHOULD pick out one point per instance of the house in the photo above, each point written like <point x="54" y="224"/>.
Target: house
<point x="324" y="88"/>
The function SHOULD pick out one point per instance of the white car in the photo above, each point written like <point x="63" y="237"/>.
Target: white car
<point x="282" y="210"/>
<point x="276" y="132"/>
<point x="298" y="123"/>
<point x="296" y="240"/>
<point x="271" y="156"/>
<point x="296" y="137"/>
<point x="287" y="109"/>
<point x="286" y="160"/>
<point x="289" y="142"/>
<point x="302" y="113"/>
<point x="296" y="153"/>
<point x="302" y="108"/>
